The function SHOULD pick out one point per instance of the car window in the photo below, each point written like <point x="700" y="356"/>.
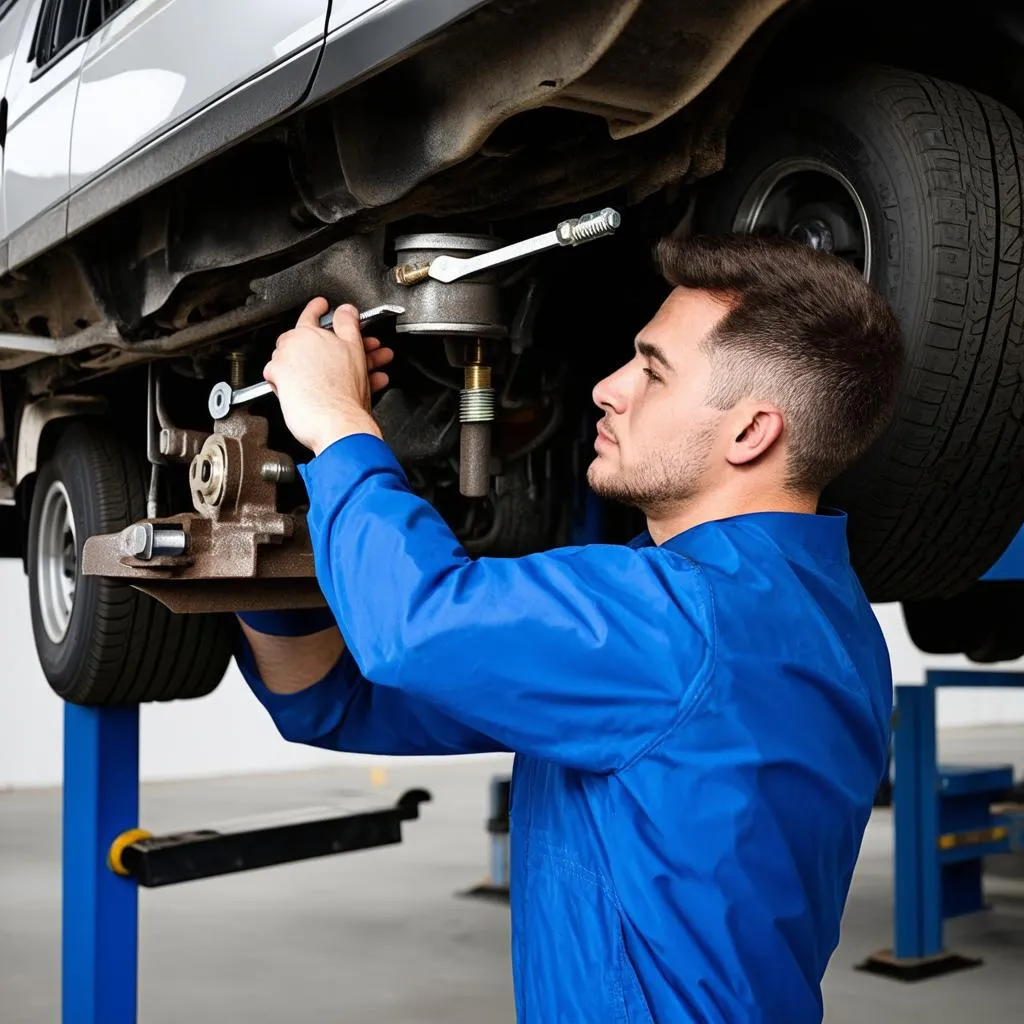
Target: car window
<point x="63" y="23"/>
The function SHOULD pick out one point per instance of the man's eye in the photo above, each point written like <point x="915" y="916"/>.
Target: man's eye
<point x="651" y="375"/>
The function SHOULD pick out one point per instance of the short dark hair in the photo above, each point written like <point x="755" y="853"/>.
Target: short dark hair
<point x="805" y="331"/>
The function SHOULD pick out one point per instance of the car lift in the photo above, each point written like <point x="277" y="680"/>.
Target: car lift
<point x="946" y="820"/>
<point x="106" y="857"/>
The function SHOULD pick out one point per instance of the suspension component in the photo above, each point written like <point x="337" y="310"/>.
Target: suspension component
<point x="476" y="413"/>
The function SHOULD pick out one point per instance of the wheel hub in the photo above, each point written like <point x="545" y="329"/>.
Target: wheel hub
<point x="815" y="233"/>
<point x="812" y="202"/>
<point x="57" y="562"/>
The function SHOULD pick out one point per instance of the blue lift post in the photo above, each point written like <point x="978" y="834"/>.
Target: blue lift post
<point x="106" y="857"/>
<point x="99" y="909"/>
<point x="943" y="828"/>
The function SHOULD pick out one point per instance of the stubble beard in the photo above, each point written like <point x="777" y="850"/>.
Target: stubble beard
<point x="663" y="481"/>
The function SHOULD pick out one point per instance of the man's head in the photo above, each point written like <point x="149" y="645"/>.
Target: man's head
<point x="770" y="367"/>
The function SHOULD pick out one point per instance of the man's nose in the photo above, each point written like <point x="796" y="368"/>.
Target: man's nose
<point x="609" y="394"/>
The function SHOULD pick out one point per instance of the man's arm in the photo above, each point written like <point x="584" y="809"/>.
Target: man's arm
<point x="582" y="656"/>
<point x="315" y="695"/>
<point x="291" y="664"/>
<point x="587" y="657"/>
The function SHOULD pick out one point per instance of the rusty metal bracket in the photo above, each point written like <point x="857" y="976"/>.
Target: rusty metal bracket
<point x="236" y="551"/>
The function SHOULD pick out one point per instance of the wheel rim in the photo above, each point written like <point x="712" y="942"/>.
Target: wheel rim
<point x="812" y="202"/>
<point x="56" y="562"/>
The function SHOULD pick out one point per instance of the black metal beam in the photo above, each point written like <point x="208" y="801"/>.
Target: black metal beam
<point x="185" y="857"/>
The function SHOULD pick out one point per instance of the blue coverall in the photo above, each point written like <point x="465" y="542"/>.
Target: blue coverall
<point x="700" y="730"/>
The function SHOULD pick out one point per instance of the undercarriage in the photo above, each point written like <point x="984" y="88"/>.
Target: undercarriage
<point x="246" y="546"/>
<point x="881" y="133"/>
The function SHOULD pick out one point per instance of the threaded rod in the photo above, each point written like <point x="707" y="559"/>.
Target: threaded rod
<point x="236" y="362"/>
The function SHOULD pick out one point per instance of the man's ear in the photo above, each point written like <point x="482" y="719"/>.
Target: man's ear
<point x="757" y="429"/>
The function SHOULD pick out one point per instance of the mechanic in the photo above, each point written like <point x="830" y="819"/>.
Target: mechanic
<point x="701" y="717"/>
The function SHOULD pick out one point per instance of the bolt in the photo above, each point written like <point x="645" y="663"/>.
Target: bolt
<point x="236" y="360"/>
<point x="144" y="541"/>
<point x="814" y="233"/>
<point x="169" y="542"/>
<point x="406" y="274"/>
<point x="136" y="541"/>
<point x="589" y="227"/>
<point x="278" y="471"/>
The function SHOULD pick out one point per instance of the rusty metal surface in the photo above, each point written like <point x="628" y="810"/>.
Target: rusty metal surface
<point x="180" y="445"/>
<point x="213" y="553"/>
<point x="471" y="307"/>
<point x="230" y="596"/>
<point x="633" y="63"/>
<point x="239" y="548"/>
<point x="427" y="136"/>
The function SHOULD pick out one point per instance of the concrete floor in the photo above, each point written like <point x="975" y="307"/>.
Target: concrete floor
<point x="381" y="935"/>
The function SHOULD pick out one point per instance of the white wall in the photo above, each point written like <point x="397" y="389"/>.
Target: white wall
<point x="229" y="733"/>
<point x="955" y="707"/>
<point x="225" y="733"/>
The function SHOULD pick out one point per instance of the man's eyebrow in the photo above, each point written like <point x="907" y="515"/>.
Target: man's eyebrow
<point x="645" y="348"/>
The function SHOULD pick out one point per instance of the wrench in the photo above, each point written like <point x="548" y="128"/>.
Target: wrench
<point x="447" y="269"/>
<point x="223" y="398"/>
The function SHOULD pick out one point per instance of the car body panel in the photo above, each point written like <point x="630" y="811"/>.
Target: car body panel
<point x="146" y="96"/>
<point x="360" y="41"/>
<point x="41" y="108"/>
<point x="10" y="36"/>
<point x="216" y="127"/>
<point x="344" y="11"/>
<point x="156" y="63"/>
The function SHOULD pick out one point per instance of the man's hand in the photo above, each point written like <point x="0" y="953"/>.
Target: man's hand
<point x="324" y="379"/>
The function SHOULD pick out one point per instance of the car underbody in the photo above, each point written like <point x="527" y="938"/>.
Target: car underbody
<point x="522" y="115"/>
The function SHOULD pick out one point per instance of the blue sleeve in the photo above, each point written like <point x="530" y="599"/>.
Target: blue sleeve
<point x="345" y="712"/>
<point x="584" y="656"/>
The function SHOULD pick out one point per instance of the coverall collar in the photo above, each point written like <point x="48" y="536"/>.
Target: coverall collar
<point x="823" y="532"/>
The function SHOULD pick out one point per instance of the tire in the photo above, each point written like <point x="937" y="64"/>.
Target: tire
<point x="982" y="622"/>
<point x="100" y="641"/>
<point x="936" y="170"/>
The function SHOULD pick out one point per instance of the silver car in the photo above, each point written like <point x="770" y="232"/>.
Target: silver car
<point x="180" y="176"/>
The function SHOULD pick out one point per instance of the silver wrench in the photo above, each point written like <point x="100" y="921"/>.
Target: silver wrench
<point x="223" y="398"/>
<point x="447" y="269"/>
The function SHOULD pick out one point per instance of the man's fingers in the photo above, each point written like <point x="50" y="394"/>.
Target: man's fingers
<point x="371" y="343"/>
<point x="315" y="309"/>
<point x="378" y="382"/>
<point x="346" y="322"/>
<point x="381" y="357"/>
<point x="268" y="374"/>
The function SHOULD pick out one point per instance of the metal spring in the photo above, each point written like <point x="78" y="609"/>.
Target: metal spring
<point x="476" y="405"/>
<point x="595" y="225"/>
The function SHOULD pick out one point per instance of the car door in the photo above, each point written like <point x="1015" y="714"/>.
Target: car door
<point x="40" y="108"/>
<point x="12" y="18"/>
<point x="155" y="62"/>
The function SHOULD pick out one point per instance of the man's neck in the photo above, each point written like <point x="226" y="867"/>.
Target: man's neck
<point x="670" y="522"/>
